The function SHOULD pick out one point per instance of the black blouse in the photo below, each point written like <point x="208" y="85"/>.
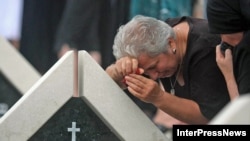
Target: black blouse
<point x="204" y="82"/>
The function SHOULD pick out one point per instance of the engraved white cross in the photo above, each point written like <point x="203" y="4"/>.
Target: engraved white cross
<point x="73" y="130"/>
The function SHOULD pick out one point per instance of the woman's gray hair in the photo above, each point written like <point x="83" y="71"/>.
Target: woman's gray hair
<point x="142" y="35"/>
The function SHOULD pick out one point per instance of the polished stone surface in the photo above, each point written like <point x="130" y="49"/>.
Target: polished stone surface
<point x="75" y="110"/>
<point x="101" y="112"/>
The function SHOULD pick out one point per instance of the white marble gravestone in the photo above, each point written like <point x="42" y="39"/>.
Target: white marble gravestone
<point x="39" y="103"/>
<point x="96" y="89"/>
<point x="236" y="112"/>
<point x="20" y="73"/>
<point x="17" y="75"/>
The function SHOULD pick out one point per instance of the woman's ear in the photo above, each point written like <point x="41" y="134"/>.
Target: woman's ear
<point x="172" y="45"/>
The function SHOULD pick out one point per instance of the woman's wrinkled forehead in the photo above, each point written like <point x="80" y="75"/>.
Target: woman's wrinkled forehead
<point x="145" y="61"/>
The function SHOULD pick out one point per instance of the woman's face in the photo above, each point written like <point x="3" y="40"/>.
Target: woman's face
<point x="232" y="39"/>
<point x="163" y="65"/>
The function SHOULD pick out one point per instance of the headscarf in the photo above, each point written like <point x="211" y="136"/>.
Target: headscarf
<point x="225" y="17"/>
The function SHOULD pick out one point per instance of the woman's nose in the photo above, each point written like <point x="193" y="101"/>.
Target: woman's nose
<point x="153" y="75"/>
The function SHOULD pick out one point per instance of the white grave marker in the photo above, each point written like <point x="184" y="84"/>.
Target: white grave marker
<point x="96" y="88"/>
<point x="236" y="112"/>
<point x="40" y="102"/>
<point x="20" y="73"/>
